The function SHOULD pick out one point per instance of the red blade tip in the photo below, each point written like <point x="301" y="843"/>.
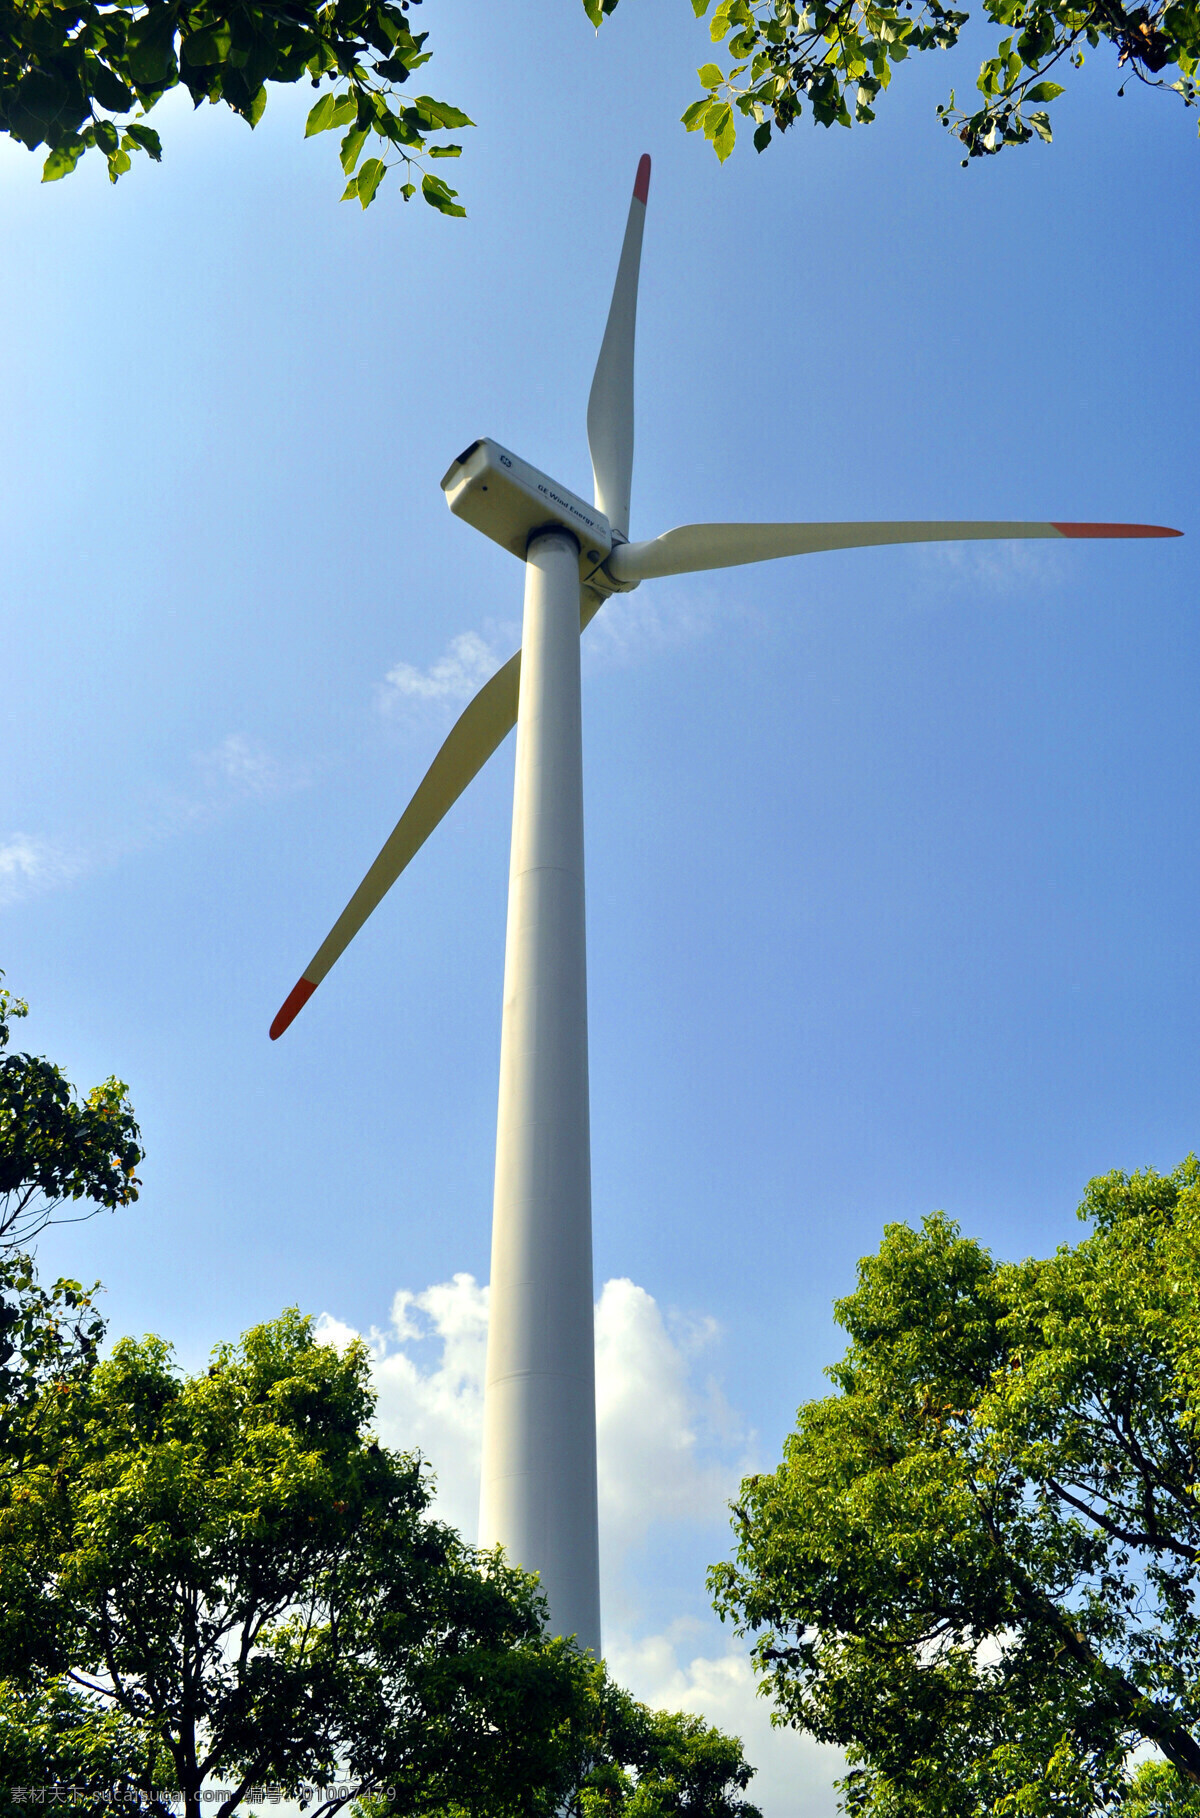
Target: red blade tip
<point x="1115" y="530"/>
<point x="294" y="1003"/>
<point x="641" y="183"/>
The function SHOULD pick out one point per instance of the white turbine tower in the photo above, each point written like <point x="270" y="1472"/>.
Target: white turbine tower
<point x="539" y="1447"/>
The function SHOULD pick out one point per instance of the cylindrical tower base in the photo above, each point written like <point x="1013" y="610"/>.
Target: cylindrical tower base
<point x="538" y="1496"/>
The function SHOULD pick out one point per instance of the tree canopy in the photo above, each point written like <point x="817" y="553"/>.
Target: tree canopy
<point x="233" y="1566"/>
<point x="976" y="1568"/>
<point x="56" y="1148"/>
<point x="658" y="1764"/>
<point x="223" y="1581"/>
<point x="57" y="1151"/>
<point x="82" y="75"/>
<point x="840" y="55"/>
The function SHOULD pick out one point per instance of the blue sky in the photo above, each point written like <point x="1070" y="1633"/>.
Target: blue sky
<point x="892" y="854"/>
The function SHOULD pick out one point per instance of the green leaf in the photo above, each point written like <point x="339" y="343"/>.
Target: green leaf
<point x="445" y="151"/>
<point x="320" y="116"/>
<point x="150" y="48"/>
<point x="714" y="119"/>
<point x="1040" y="123"/>
<point x="440" y="113"/>
<point x="719" y="27"/>
<point x="258" y="104"/>
<point x="352" y="145"/>
<point x="440" y="196"/>
<point x="44" y="107"/>
<point x="762" y="136"/>
<point x="594" y="11"/>
<point x="403" y="128"/>
<point x="694" y="116"/>
<point x="107" y="137"/>
<point x="1044" y="91"/>
<point x="204" y="48"/>
<point x="118" y="164"/>
<point x="710" y="76"/>
<point x="109" y="91"/>
<point x="145" y="138"/>
<point x="721" y="129"/>
<point x="350" y="193"/>
<point x="62" y="160"/>
<point x="369" y="178"/>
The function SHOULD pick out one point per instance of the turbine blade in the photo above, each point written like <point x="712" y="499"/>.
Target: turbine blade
<point x="699" y="546"/>
<point x="476" y="733"/>
<point x="479" y="730"/>
<point x="610" y="404"/>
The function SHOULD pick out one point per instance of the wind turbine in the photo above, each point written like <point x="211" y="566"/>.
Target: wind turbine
<point x="538" y="1495"/>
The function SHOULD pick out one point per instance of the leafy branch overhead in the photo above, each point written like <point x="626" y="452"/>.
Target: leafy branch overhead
<point x="838" y="55"/>
<point x="83" y="75"/>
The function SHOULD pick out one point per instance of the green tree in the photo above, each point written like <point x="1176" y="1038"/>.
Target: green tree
<point x="616" y="1758"/>
<point x="976" y="1568"/>
<point x="48" y="1337"/>
<point x="78" y="75"/>
<point x="231" y="1563"/>
<point x="661" y="1764"/>
<point x="839" y="55"/>
<point x="1157" y="1790"/>
<point x="224" y="1581"/>
<point x="57" y="1149"/>
<point x="51" y="1737"/>
<point x="82" y="74"/>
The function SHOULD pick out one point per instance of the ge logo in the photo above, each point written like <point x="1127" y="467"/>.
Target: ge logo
<point x="505" y="461"/>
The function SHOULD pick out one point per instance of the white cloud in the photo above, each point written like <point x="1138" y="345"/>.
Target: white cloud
<point x="29" y="866"/>
<point x="237" y="767"/>
<point x="432" y="1401"/>
<point x="658" y="616"/>
<point x="663" y="1447"/>
<point x="467" y="663"/>
<point x="235" y="771"/>
<point x="670" y="1454"/>
<point x="438" y="1408"/>
<point x="795" y="1774"/>
<point x="998" y="568"/>
<point x="628" y="629"/>
<point x="666" y="1449"/>
<point x="335" y="1332"/>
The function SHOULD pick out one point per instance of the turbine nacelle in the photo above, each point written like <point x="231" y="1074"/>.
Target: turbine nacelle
<point x="501" y="495"/>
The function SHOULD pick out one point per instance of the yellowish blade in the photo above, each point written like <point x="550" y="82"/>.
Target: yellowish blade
<point x="696" y="547"/>
<point x="610" y="402"/>
<point x="479" y="730"/>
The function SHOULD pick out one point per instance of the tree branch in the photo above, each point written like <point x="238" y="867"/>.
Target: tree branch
<point x="1146" y="1541"/>
<point x="1149" y="1719"/>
